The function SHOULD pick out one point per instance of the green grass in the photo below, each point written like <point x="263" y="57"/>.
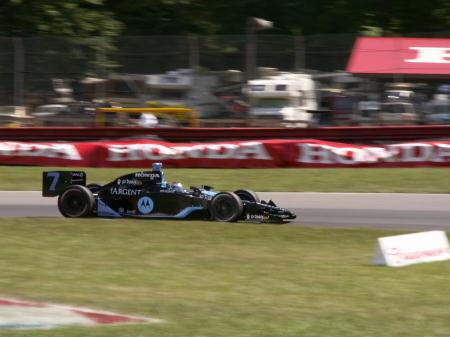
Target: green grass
<point x="213" y="279"/>
<point x="409" y="180"/>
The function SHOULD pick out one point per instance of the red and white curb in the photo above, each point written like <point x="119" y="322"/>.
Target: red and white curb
<point x="16" y="314"/>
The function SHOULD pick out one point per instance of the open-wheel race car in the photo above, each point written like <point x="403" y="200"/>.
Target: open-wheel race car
<point x="146" y="194"/>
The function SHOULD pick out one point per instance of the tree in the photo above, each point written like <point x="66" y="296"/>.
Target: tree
<point x="86" y="24"/>
<point x="402" y="16"/>
<point x="72" y="18"/>
<point x="174" y="17"/>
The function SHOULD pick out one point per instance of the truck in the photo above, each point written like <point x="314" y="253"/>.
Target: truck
<point x="286" y="98"/>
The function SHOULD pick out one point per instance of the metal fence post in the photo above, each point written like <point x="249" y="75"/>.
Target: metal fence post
<point x="19" y="72"/>
<point x="194" y="54"/>
<point x="300" y="51"/>
<point x="100" y="86"/>
<point x="250" y="50"/>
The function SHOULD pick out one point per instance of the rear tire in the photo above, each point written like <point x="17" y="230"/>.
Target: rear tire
<point x="226" y="207"/>
<point x="76" y="201"/>
<point x="247" y="195"/>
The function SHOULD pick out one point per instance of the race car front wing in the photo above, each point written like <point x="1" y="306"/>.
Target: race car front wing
<point x="266" y="212"/>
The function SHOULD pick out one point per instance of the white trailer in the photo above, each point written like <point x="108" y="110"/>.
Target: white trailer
<point x="185" y="88"/>
<point x="288" y="98"/>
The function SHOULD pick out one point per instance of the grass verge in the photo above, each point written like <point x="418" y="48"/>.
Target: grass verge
<point x="213" y="279"/>
<point x="410" y="180"/>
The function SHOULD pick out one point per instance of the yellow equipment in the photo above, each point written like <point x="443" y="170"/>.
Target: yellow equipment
<point x="183" y="115"/>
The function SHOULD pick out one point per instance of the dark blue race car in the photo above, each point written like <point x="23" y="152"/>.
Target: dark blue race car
<point x="146" y="194"/>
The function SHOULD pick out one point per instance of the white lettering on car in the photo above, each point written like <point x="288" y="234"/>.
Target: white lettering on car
<point x="147" y="175"/>
<point x="258" y="217"/>
<point x="124" y="191"/>
<point x="145" y="205"/>
<point x="134" y="182"/>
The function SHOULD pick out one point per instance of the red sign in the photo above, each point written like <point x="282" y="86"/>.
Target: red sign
<point x="235" y="154"/>
<point x="383" y="55"/>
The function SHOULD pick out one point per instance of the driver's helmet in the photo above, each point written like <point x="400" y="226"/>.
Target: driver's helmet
<point x="156" y="167"/>
<point x="178" y="187"/>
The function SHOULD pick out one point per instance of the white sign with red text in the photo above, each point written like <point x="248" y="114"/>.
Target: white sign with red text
<point x="407" y="249"/>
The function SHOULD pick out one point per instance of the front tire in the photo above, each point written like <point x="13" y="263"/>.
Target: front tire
<point x="94" y="188"/>
<point x="76" y="201"/>
<point x="226" y="207"/>
<point x="247" y="195"/>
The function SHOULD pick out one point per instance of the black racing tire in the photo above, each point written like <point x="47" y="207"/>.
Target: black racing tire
<point x="76" y="201"/>
<point x="247" y="195"/>
<point x="94" y="187"/>
<point x="226" y="207"/>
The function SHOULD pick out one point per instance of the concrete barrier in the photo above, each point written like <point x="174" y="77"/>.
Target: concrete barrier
<point x="340" y="134"/>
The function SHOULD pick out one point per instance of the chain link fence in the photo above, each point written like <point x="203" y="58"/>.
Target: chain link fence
<point x="29" y="65"/>
<point x="35" y="70"/>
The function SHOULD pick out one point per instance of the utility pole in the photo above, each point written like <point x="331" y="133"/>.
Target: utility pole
<point x="252" y="26"/>
<point x="19" y="72"/>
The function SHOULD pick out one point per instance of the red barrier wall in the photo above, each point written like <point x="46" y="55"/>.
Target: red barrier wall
<point x="344" y="134"/>
<point x="234" y="154"/>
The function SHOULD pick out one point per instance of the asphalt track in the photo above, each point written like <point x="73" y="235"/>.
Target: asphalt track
<point x="372" y="210"/>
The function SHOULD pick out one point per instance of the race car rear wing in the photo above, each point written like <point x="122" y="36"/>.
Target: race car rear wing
<point x="55" y="182"/>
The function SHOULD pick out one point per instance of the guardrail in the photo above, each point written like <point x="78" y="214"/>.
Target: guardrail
<point x="368" y="134"/>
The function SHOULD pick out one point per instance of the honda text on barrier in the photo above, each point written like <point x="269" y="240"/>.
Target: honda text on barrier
<point x="146" y="194"/>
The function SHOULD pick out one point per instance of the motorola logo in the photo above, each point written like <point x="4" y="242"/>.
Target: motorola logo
<point x="145" y="205"/>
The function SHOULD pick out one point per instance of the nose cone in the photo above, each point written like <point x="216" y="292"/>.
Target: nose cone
<point x="291" y="215"/>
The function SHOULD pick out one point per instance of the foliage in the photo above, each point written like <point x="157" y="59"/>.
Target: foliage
<point x="88" y="18"/>
<point x="87" y="26"/>
<point x="149" y="17"/>
<point x="78" y="19"/>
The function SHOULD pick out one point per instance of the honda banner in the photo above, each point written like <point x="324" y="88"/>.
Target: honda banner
<point x="395" y="55"/>
<point x="263" y="153"/>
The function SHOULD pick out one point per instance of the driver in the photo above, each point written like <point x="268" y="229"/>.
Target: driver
<point x="177" y="187"/>
<point x="157" y="167"/>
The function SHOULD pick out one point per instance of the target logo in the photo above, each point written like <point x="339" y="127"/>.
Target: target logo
<point x="145" y="205"/>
